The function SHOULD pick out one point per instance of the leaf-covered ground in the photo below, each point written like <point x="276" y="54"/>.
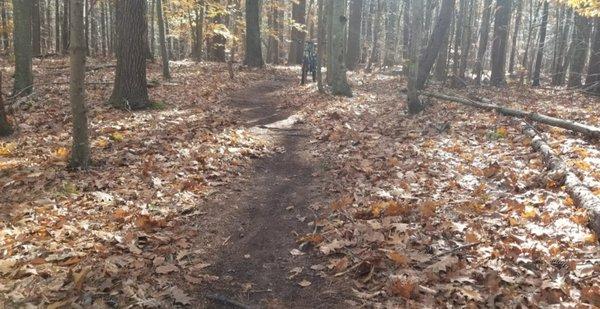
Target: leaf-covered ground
<point x="448" y="208"/>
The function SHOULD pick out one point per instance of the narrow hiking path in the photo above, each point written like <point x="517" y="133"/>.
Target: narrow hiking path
<point x="256" y="257"/>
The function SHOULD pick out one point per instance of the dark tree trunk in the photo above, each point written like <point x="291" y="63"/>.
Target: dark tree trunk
<point x="542" y="41"/>
<point x="438" y="37"/>
<point x="130" y="87"/>
<point x="4" y="15"/>
<point x="375" y="49"/>
<point x="414" y="104"/>
<point x="513" y="49"/>
<point x="354" y="31"/>
<point x="558" y="76"/>
<point x="253" y="43"/>
<point x="199" y="30"/>
<point x="393" y="7"/>
<point x="484" y="37"/>
<point x="65" y="28"/>
<point x="164" y="55"/>
<point x="80" y="152"/>
<point x="273" y="42"/>
<point x="500" y="40"/>
<point x="22" y="10"/>
<point x="466" y="41"/>
<point x="298" y="35"/>
<point x="36" y="25"/>
<point x="406" y="32"/>
<point x="592" y="80"/>
<point x="5" y="127"/>
<point x="579" y="45"/>
<point x="441" y="64"/>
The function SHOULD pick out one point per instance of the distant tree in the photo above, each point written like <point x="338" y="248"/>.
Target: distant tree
<point x="375" y="48"/>
<point x="298" y="34"/>
<point x="393" y="8"/>
<point x="517" y="27"/>
<point x="5" y="127"/>
<point x="36" y="36"/>
<point x="80" y="152"/>
<point x="500" y="41"/>
<point x="354" y="31"/>
<point x="130" y="88"/>
<point x="164" y="55"/>
<point x="337" y="36"/>
<point x="540" y="51"/>
<point x="484" y="37"/>
<point x="560" y="68"/>
<point x="438" y="37"/>
<point x="579" y="47"/>
<point x="22" y="10"/>
<point x="253" y="56"/>
<point x="592" y="80"/>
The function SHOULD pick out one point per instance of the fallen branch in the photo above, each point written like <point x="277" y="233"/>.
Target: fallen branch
<point x="581" y="195"/>
<point x="588" y="130"/>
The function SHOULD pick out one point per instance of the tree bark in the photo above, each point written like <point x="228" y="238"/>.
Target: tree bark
<point x="500" y="40"/>
<point x="36" y="36"/>
<point x="164" y="55"/>
<point x="558" y="76"/>
<point x="354" y="31"/>
<point x="579" y="45"/>
<point x="5" y="126"/>
<point x="253" y="56"/>
<point x="320" y="45"/>
<point x="65" y="28"/>
<point x="513" y="49"/>
<point x="592" y="80"/>
<point x="298" y="34"/>
<point x="23" y="10"/>
<point x="438" y="37"/>
<point x="375" y="49"/>
<point x="540" y="52"/>
<point x="393" y="7"/>
<point x="339" y="27"/>
<point x="5" y="30"/>
<point x="130" y="90"/>
<point x="484" y="37"/>
<point x="80" y="152"/>
<point x="414" y="104"/>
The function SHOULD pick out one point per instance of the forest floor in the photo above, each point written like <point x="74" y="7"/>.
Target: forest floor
<point x="266" y="193"/>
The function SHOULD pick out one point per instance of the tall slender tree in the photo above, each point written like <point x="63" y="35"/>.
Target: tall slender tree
<point x="579" y="47"/>
<point x="513" y="49"/>
<point x="393" y="8"/>
<point x="354" y="31"/>
<point x="298" y="34"/>
<point x="484" y="37"/>
<point x="164" y="55"/>
<point x="592" y="79"/>
<point x="253" y="43"/>
<point x="80" y="152"/>
<point x="542" y="41"/>
<point x="500" y="40"/>
<point x="23" y="10"/>
<point x="414" y="104"/>
<point x="5" y="126"/>
<point x="130" y="88"/>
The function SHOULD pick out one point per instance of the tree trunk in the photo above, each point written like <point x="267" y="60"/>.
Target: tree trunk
<point x="65" y="28"/>
<point x="393" y="7"/>
<point x="354" y="40"/>
<point x="592" y="80"/>
<point x="22" y="10"/>
<point x="36" y="36"/>
<point x="414" y="103"/>
<point x="199" y="29"/>
<point x="253" y="57"/>
<point x="441" y="64"/>
<point x="438" y="37"/>
<point x="513" y="49"/>
<point x="298" y="32"/>
<point x="579" y="45"/>
<point x="501" y="23"/>
<point x="406" y="40"/>
<point x="5" y="30"/>
<point x="466" y="41"/>
<point x="542" y="41"/>
<point x="339" y="26"/>
<point x="375" y="52"/>
<point x="5" y="127"/>
<point x="130" y="89"/>
<point x="164" y="55"/>
<point x="558" y="76"/>
<point x="320" y="45"/>
<point x="80" y="152"/>
<point x="484" y="37"/>
<point x="273" y="42"/>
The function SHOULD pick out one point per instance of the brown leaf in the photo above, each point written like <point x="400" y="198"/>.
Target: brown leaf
<point x="169" y="268"/>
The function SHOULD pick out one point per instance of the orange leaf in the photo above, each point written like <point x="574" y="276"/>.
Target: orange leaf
<point x="399" y="259"/>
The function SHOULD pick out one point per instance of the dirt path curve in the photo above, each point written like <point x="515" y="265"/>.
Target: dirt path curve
<point x="261" y="218"/>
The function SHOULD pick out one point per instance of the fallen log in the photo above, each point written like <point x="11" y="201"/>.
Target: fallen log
<point x="591" y="131"/>
<point x="581" y="195"/>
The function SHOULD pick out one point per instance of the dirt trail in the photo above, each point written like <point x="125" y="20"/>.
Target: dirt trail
<point x="261" y="218"/>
